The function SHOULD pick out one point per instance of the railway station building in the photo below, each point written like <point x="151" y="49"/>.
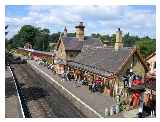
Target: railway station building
<point x="88" y="58"/>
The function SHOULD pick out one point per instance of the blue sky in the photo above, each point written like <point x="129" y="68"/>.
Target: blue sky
<point x="137" y="20"/>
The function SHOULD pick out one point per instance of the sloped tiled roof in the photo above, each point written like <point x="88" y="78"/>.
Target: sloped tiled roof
<point x="73" y="43"/>
<point x="93" y="42"/>
<point x="105" y="60"/>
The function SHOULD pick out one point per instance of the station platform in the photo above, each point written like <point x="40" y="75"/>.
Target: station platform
<point x="97" y="102"/>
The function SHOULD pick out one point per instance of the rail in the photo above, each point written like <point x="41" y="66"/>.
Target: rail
<point x="23" y="104"/>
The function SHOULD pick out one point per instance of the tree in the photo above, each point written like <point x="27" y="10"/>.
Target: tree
<point x="53" y="38"/>
<point x="42" y="40"/>
<point x="71" y="34"/>
<point x="113" y="39"/>
<point x="27" y="34"/>
<point x="146" y="46"/>
<point x="16" y="41"/>
<point x="129" y="41"/>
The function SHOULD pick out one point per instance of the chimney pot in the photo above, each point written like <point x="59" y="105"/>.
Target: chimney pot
<point x="65" y="28"/>
<point x="81" y="24"/>
<point x="80" y="31"/>
<point x="65" y="31"/>
<point x="119" y="42"/>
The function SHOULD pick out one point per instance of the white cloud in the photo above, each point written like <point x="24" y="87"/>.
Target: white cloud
<point x="97" y="18"/>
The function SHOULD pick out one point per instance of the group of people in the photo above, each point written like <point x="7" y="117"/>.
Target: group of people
<point x="83" y="79"/>
<point x="96" y="86"/>
<point x="131" y="78"/>
<point x="78" y="77"/>
<point x="149" y="104"/>
<point x="148" y="101"/>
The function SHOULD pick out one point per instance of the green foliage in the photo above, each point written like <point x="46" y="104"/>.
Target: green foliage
<point x="113" y="39"/>
<point x="27" y="34"/>
<point x="71" y="34"/>
<point x="146" y="46"/>
<point x="40" y="39"/>
<point x="129" y="40"/>
<point x="53" y="38"/>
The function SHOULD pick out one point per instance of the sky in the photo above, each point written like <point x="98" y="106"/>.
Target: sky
<point x="137" y="20"/>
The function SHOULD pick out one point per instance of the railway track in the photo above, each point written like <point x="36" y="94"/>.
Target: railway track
<point x="30" y="81"/>
<point x="42" y="99"/>
<point x="24" y="109"/>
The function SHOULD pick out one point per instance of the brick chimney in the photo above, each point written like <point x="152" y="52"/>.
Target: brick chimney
<point x="80" y="31"/>
<point x="65" y="32"/>
<point x="119" y="41"/>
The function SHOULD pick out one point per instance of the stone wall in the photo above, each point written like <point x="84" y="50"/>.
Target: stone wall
<point x="61" y="52"/>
